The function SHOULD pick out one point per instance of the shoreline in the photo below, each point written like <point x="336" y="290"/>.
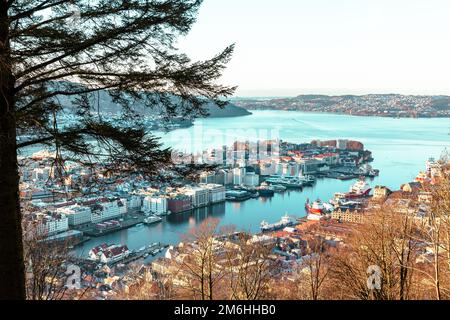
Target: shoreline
<point x="352" y="115"/>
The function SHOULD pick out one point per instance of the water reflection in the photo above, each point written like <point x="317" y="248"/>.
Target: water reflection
<point x="197" y="215"/>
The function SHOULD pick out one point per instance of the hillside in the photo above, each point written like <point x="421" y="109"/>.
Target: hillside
<point x="383" y="105"/>
<point x="106" y="105"/>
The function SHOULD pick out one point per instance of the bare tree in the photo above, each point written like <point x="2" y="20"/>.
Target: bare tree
<point x="313" y="270"/>
<point x="386" y="243"/>
<point x="47" y="267"/>
<point x="435" y="229"/>
<point x="251" y="268"/>
<point x="200" y="260"/>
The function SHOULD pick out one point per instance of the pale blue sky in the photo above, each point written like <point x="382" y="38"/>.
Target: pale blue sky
<point x="289" y="47"/>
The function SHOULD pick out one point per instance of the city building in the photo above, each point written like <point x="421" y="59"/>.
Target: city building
<point x="251" y="179"/>
<point x="216" y="192"/>
<point x="179" y="203"/>
<point x="381" y="192"/>
<point x="77" y="215"/>
<point x="109" y="254"/>
<point x="134" y="202"/>
<point x="51" y="224"/>
<point x="199" y="196"/>
<point x="238" y="176"/>
<point x="104" y="211"/>
<point x="352" y="216"/>
<point x="155" y="204"/>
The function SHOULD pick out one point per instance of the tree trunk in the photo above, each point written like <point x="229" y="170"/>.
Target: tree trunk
<point x="12" y="279"/>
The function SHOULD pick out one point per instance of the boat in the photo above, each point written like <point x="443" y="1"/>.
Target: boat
<point x="237" y="195"/>
<point x="315" y="208"/>
<point x="278" y="188"/>
<point x="286" y="221"/>
<point x="146" y="255"/>
<point x="307" y="180"/>
<point x="349" y="205"/>
<point x="266" y="192"/>
<point x="328" y="207"/>
<point x="290" y="183"/>
<point x="359" y="190"/>
<point x="314" y="216"/>
<point x="152" y="220"/>
<point x="163" y="214"/>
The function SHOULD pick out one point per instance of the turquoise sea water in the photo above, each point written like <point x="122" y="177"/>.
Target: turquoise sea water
<point x="400" y="148"/>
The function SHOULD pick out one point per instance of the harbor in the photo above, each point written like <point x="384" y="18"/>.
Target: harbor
<point x="391" y="148"/>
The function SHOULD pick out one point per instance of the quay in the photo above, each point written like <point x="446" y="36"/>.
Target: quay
<point x="127" y="223"/>
<point x="135" y="255"/>
<point x="152" y="250"/>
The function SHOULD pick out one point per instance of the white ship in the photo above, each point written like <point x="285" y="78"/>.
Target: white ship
<point x="286" y="221"/>
<point x="152" y="220"/>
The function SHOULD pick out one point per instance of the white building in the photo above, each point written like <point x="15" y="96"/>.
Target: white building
<point x="134" y="202"/>
<point x="199" y="196"/>
<point x="77" y="215"/>
<point x="52" y="224"/>
<point x="238" y="176"/>
<point x="106" y="211"/>
<point x="228" y="177"/>
<point x="155" y="204"/>
<point x="208" y="177"/>
<point x="123" y="206"/>
<point x="251" y="179"/>
<point x="268" y="168"/>
<point x="109" y="254"/>
<point x="290" y="169"/>
<point x="216" y="192"/>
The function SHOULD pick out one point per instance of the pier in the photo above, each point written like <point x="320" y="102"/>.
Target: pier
<point x="151" y="250"/>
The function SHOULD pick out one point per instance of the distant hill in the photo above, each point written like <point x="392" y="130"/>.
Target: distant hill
<point x="382" y="105"/>
<point x="106" y="105"/>
<point x="230" y="110"/>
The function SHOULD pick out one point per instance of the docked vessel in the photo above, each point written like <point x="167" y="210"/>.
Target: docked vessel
<point x="237" y="195"/>
<point x="349" y="205"/>
<point x="315" y="208"/>
<point x="358" y="190"/>
<point x="265" y="191"/>
<point x="286" y="221"/>
<point x="152" y="220"/>
<point x="278" y="188"/>
<point x="307" y="180"/>
<point x="290" y="183"/>
<point x="318" y="209"/>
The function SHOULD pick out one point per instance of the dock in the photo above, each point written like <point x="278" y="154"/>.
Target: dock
<point x="126" y="224"/>
<point x="152" y="250"/>
<point x="135" y="255"/>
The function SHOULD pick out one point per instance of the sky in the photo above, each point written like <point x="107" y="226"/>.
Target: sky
<point x="291" y="47"/>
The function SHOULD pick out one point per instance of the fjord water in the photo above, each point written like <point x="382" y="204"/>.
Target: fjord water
<point x="400" y="148"/>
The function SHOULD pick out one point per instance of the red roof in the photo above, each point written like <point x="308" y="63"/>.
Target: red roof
<point x="115" y="251"/>
<point x="99" y="248"/>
